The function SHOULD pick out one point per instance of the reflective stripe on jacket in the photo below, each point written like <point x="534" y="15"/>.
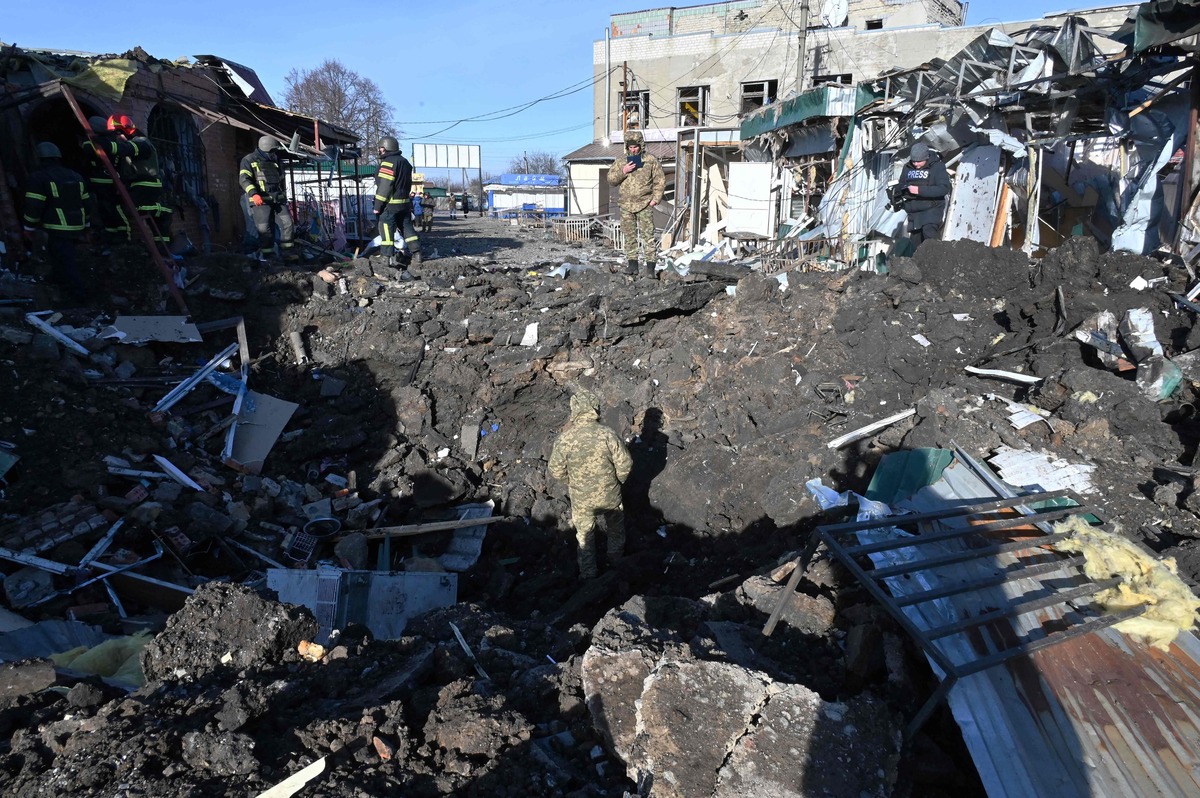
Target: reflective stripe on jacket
<point x="393" y="181"/>
<point x="138" y="166"/>
<point x="262" y="174"/>
<point x="111" y="145"/>
<point x="57" y="199"/>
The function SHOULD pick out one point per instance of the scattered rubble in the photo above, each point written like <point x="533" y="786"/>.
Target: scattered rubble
<point x="414" y="400"/>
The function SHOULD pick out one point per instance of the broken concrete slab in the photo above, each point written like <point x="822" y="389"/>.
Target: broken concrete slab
<point x="800" y="745"/>
<point x="812" y="615"/>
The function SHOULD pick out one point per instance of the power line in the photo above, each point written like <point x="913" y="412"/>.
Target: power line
<point x="512" y="110"/>
<point x="528" y="137"/>
<point x="703" y="64"/>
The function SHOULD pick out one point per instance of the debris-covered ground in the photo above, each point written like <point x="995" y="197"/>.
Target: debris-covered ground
<point x="418" y="397"/>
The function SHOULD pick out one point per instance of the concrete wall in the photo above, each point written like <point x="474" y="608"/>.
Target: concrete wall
<point x="661" y="63"/>
<point x="901" y="13"/>
<point x="739" y="16"/>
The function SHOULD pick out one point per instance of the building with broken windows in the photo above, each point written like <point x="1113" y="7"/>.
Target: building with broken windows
<point x="665" y="69"/>
<point x="709" y="83"/>
<point x="1060" y="128"/>
<point x="203" y="114"/>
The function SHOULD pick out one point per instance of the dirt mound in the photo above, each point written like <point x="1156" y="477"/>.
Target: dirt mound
<point x="415" y="397"/>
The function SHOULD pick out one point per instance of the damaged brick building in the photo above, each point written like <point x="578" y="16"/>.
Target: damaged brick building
<point x="202" y="114"/>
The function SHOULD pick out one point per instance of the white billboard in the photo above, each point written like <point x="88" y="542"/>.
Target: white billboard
<point x="446" y="156"/>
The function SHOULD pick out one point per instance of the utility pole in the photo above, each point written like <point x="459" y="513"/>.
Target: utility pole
<point x="527" y="162"/>
<point x="606" y="129"/>
<point x="625" y="97"/>
<point x="802" y="34"/>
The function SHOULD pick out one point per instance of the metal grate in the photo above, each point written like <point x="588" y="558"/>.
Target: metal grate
<point x="329" y="591"/>
<point x="969" y="595"/>
<point x="611" y="229"/>
<point x="180" y="152"/>
<point x="573" y="229"/>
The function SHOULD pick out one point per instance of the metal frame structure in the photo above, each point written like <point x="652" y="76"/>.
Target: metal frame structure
<point x="981" y="519"/>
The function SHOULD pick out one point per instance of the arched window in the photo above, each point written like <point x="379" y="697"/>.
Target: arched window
<point x="180" y="152"/>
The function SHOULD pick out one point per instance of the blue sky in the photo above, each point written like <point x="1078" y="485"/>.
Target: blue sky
<point x="436" y="61"/>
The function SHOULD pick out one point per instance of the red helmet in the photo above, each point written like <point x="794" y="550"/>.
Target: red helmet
<point x="123" y="124"/>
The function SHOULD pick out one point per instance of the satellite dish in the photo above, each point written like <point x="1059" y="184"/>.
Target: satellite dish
<point x="834" y="13"/>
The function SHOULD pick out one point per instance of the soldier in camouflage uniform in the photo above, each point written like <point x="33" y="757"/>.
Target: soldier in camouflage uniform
<point x="591" y="459"/>
<point x="641" y="189"/>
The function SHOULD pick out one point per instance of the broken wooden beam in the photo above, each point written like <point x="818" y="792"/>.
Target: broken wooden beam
<point x="433" y="526"/>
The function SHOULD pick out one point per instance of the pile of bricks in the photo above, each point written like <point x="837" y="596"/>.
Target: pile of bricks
<point x="55" y="525"/>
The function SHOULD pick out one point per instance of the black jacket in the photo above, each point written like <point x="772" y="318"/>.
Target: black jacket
<point x="57" y="199"/>
<point x="928" y="205"/>
<point x="116" y="148"/>
<point x="139" y="164"/>
<point x="393" y="181"/>
<point x="261" y="174"/>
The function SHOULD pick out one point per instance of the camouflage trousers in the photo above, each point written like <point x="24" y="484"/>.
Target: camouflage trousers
<point x="638" y="228"/>
<point x="584" y="521"/>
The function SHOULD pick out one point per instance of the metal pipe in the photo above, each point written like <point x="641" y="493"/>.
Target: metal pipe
<point x="298" y="348"/>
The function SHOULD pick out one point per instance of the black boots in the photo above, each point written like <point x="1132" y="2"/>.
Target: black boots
<point x="632" y="268"/>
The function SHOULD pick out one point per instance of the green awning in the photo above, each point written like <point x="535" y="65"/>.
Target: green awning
<point x="823" y="101"/>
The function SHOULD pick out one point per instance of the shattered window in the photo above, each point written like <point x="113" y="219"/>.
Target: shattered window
<point x="180" y="152"/>
<point x="693" y="106"/>
<point x="845" y="78"/>
<point x="758" y="93"/>
<point x="635" y="109"/>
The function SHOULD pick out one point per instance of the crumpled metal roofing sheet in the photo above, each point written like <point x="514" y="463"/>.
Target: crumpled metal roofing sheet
<point x="1098" y="715"/>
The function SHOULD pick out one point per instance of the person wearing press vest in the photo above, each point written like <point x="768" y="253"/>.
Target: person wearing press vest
<point x="924" y="184"/>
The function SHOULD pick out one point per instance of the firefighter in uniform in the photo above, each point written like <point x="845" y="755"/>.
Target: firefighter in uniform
<point x="57" y="204"/>
<point x="137" y="165"/>
<point x="261" y="177"/>
<point x="393" y="207"/>
<point x="109" y="210"/>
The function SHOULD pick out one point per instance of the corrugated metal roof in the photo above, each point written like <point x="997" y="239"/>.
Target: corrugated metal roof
<point x="596" y="151"/>
<point x="1098" y="715"/>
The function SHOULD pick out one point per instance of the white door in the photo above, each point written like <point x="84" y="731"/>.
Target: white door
<point x="750" y="198"/>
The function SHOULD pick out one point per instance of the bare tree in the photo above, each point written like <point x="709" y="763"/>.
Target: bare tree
<point x="334" y="93"/>
<point x="536" y="163"/>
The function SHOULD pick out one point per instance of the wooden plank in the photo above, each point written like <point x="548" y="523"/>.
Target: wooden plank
<point x="1001" y="224"/>
<point x="433" y="526"/>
